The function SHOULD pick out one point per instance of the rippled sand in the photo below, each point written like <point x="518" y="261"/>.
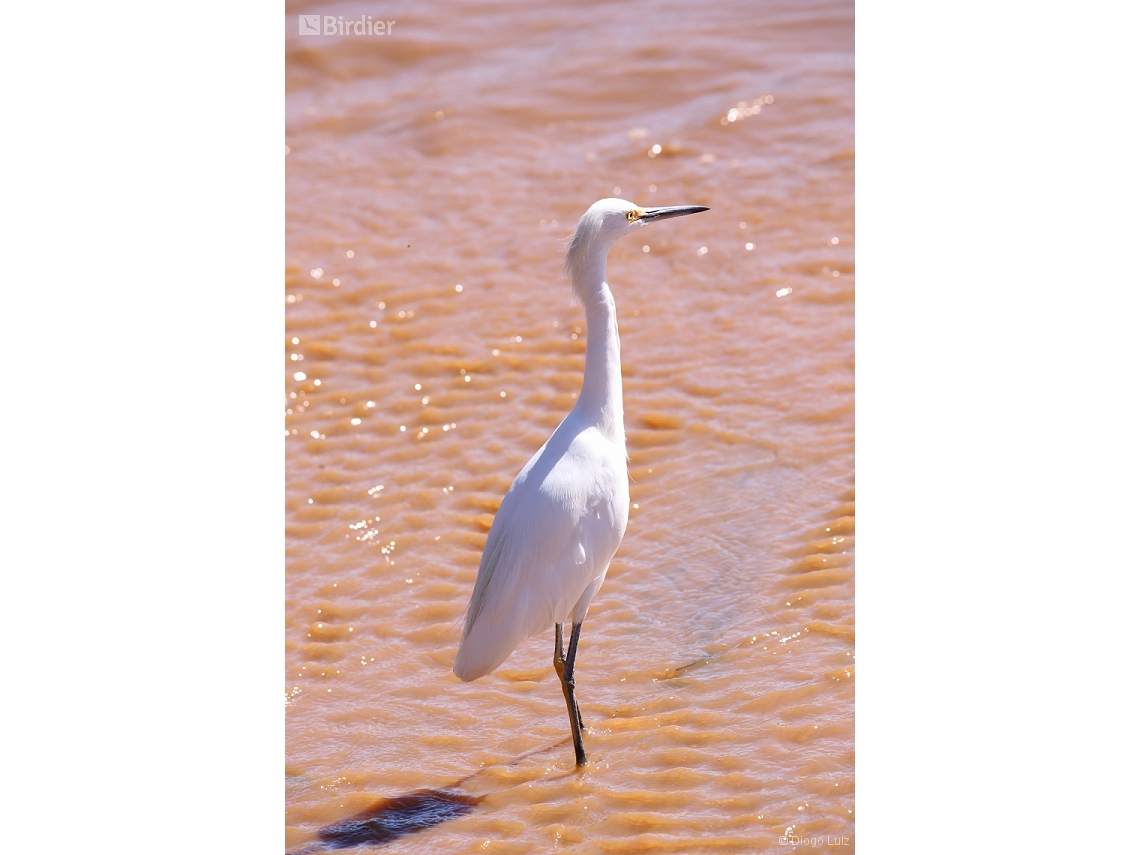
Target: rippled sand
<point x="432" y="344"/>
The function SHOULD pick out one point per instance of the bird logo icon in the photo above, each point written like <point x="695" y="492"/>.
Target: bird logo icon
<point x="309" y="25"/>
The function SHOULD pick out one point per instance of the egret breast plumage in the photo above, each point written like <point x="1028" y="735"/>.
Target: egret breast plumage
<point x="564" y="515"/>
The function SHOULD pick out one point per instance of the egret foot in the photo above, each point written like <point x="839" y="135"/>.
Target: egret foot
<point x="564" y="667"/>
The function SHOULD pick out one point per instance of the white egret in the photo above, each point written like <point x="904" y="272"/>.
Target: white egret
<point x="563" y="517"/>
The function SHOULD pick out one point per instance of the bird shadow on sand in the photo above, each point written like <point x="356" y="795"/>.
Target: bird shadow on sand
<point x="390" y="819"/>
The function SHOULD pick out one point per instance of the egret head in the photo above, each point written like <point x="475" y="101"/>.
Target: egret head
<point x="605" y="222"/>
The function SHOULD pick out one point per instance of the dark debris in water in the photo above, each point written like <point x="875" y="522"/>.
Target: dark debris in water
<point x="391" y="818"/>
<point x="684" y="669"/>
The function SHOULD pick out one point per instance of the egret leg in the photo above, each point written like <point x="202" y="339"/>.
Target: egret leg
<point x="560" y="665"/>
<point x="564" y="667"/>
<point x="571" y="654"/>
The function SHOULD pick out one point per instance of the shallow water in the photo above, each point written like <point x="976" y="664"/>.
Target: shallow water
<point x="716" y="668"/>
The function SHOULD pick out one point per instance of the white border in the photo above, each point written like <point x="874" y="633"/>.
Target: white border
<point x="996" y="465"/>
<point x="142" y="326"/>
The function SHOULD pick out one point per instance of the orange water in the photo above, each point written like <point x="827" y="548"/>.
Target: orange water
<point x="716" y="668"/>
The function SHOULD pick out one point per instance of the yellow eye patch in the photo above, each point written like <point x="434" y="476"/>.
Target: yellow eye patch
<point x="634" y="214"/>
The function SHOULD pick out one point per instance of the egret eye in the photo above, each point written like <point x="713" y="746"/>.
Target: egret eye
<point x="633" y="215"/>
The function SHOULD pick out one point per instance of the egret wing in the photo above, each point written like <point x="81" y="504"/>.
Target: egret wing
<point x="555" y="533"/>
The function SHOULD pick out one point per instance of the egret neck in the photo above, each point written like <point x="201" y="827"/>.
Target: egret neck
<point x="599" y="402"/>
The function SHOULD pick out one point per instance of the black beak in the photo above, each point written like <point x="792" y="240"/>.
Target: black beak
<point x="676" y="211"/>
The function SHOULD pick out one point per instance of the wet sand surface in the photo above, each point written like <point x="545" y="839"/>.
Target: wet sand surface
<point x="432" y="345"/>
